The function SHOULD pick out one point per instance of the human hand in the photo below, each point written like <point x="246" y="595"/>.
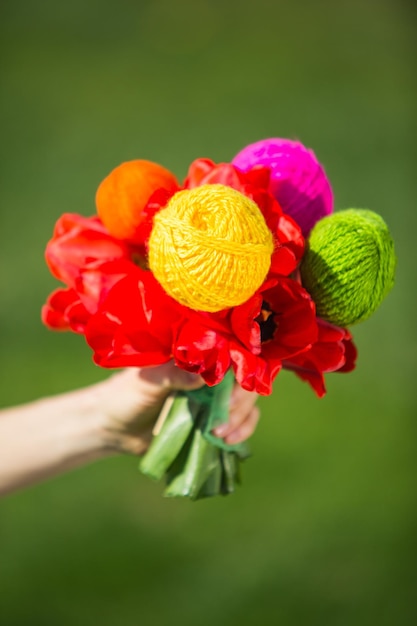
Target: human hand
<point x="132" y="400"/>
<point x="243" y="417"/>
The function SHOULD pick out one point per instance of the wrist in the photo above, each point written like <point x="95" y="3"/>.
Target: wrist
<point x="80" y="423"/>
<point x="47" y="437"/>
<point x="120" y="418"/>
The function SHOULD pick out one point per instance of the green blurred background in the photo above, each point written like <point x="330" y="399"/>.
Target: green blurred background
<point x="324" y="529"/>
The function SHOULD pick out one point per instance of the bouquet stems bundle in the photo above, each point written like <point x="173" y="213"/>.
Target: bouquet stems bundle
<point x="195" y="463"/>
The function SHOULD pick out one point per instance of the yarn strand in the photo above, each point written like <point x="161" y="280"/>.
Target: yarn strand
<point x="210" y="248"/>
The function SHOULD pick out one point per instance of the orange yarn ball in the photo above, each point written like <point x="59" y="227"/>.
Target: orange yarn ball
<point x="122" y="196"/>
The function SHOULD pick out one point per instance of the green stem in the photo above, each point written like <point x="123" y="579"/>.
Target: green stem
<point x="196" y="463"/>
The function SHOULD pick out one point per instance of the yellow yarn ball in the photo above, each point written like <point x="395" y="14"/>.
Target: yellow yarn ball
<point x="210" y="248"/>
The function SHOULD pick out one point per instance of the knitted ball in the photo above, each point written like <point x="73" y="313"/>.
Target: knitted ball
<point x="298" y="181"/>
<point x="349" y="265"/>
<point x="123" y="195"/>
<point x="210" y="248"/>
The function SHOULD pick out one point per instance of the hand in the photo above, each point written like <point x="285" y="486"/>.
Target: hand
<point x="243" y="418"/>
<point x="132" y="400"/>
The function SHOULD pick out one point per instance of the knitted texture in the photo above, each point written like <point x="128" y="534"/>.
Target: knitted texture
<point x="298" y="181"/>
<point x="349" y="265"/>
<point x="210" y="248"/>
<point x="122" y="196"/>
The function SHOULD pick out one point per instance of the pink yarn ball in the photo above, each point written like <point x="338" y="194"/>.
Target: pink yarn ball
<point x="298" y="180"/>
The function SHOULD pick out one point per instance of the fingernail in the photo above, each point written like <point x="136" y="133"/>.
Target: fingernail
<point x="221" y="430"/>
<point x="232" y="439"/>
<point x="235" y="437"/>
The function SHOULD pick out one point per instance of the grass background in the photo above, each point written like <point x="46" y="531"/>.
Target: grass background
<point x="324" y="529"/>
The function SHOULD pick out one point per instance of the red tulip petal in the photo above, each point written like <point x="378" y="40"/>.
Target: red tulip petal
<point x="77" y="241"/>
<point x="64" y="311"/>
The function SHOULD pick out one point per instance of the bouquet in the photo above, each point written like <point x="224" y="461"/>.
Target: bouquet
<point x="240" y="271"/>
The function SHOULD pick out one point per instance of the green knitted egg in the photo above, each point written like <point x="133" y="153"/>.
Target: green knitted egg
<point x="349" y="265"/>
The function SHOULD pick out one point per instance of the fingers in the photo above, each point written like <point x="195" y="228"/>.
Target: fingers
<point x="246" y="428"/>
<point x="168" y="377"/>
<point x="185" y="380"/>
<point x="243" y="417"/>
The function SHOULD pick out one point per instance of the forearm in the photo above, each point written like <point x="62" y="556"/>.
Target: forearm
<point x="50" y="436"/>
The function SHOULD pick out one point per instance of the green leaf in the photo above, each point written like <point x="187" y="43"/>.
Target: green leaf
<point x="201" y="462"/>
<point x="229" y="466"/>
<point x="166" y="446"/>
<point x="212" y="486"/>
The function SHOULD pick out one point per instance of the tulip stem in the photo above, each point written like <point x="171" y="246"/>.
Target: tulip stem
<point x="196" y="463"/>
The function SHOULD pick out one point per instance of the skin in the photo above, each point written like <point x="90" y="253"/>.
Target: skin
<point x="53" y="435"/>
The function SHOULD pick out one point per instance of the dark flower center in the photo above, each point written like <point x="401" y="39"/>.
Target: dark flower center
<point x="267" y="323"/>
